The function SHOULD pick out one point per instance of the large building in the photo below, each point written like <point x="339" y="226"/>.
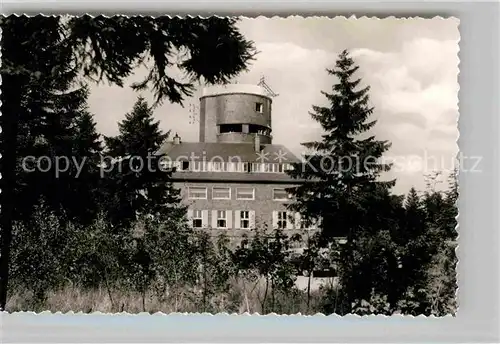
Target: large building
<point x="234" y="179"/>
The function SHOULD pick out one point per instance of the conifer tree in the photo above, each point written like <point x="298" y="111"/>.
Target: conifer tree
<point x="343" y="167"/>
<point x="86" y="149"/>
<point x="417" y="245"/>
<point x="441" y="212"/>
<point x="137" y="183"/>
<point x="451" y="210"/>
<point x="414" y="219"/>
<point x="101" y="48"/>
<point x="48" y="102"/>
<point x="341" y="188"/>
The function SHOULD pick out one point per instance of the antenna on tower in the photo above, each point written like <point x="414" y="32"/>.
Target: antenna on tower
<point x="193" y="114"/>
<point x="266" y="87"/>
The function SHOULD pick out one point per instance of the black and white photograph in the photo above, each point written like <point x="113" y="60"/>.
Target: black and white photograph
<point x="294" y="165"/>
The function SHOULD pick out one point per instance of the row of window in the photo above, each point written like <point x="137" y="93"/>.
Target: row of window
<point x="242" y="219"/>
<point x="223" y="219"/>
<point x="210" y="166"/>
<point x="242" y="193"/>
<point x="244" y="128"/>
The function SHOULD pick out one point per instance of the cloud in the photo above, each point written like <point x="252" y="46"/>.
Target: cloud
<point x="410" y="65"/>
<point x="416" y="107"/>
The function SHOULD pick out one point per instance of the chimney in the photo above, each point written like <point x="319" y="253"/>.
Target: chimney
<point x="256" y="142"/>
<point x="177" y="139"/>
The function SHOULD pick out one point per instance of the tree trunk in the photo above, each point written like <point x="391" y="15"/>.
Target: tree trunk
<point x="309" y="290"/>
<point x="8" y="162"/>
<point x="272" y="295"/>
<point x="144" y="299"/>
<point x="108" y="289"/>
<point x="265" y="296"/>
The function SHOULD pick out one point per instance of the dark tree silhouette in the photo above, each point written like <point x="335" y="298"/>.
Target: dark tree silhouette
<point x="38" y="51"/>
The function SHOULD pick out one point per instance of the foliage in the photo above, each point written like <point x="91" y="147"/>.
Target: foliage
<point x="342" y="168"/>
<point x="126" y="234"/>
<point x="37" y="265"/>
<point x="43" y="60"/>
<point x="386" y="261"/>
<point x="135" y="182"/>
<point x="111" y="48"/>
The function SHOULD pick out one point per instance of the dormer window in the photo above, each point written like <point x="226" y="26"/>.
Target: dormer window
<point x="259" y="107"/>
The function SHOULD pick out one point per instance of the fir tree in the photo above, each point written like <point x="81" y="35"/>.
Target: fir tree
<point x="137" y="183"/>
<point x="101" y="48"/>
<point x="138" y="135"/>
<point x="451" y="210"/>
<point x="441" y="211"/>
<point x="86" y="149"/>
<point x="417" y="245"/>
<point x="341" y="188"/>
<point x="414" y="216"/>
<point x="342" y="168"/>
<point x="45" y="102"/>
<point x="48" y="123"/>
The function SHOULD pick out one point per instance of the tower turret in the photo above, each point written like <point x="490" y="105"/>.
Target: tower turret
<point x="235" y="113"/>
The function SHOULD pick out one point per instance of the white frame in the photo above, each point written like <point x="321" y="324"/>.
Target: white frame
<point x="220" y="218"/>
<point x="285" y="220"/>
<point x="245" y="199"/>
<point x="270" y="167"/>
<point x="221" y="187"/>
<point x="194" y="187"/>
<point x="478" y="294"/>
<point x="244" y="219"/>
<point x="197" y="218"/>
<point x="259" y="107"/>
<point x="281" y="199"/>
<point x="197" y="166"/>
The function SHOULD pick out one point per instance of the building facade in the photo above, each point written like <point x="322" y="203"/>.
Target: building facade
<point x="234" y="179"/>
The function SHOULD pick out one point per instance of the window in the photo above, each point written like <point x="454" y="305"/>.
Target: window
<point x="237" y="167"/>
<point x="300" y="222"/>
<point x="270" y="167"/>
<point x="282" y="219"/>
<point x="197" y="219"/>
<point x="259" y="107"/>
<point x="196" y="192"/>
<point x="258" y="167"/>
<point x="280" y="195"/>
<point x="198" y="166"/>
<point x="216" y="166"/>
<point x="185" y="165"/>
<point x="230" y="128"/>
<point x="244" y="219"/>
<point x="245" y="193"/>
<point x="221" y="219"/>
<point x="221" y="193"/>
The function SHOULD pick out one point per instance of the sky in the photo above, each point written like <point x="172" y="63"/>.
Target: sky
<point x="411" y="66"/>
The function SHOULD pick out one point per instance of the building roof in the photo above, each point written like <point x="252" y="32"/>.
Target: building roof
<point x="217" y="90"/>
<point x="228" y="152"/>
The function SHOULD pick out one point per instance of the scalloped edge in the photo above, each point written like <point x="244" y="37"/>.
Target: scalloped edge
<point x="225" y="314"/>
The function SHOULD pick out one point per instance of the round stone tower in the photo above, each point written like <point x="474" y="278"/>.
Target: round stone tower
<point x="235" y="113"/>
